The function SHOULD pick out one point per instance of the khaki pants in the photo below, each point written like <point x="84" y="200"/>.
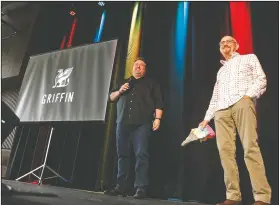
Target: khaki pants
<point x="241" y="116"/>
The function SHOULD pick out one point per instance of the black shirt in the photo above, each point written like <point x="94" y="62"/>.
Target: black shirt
<point x="137" y="105"/>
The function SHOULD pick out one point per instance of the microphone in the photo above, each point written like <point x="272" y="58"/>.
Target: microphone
<point x="131" y="81"/>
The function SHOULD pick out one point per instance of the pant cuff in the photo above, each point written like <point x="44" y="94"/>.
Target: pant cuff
<point x="234" y="197"/>
<point x="263" y="199"/>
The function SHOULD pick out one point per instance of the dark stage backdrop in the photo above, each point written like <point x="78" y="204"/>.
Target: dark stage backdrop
<point x="68" y="85"/>
<point x="14" y="45"/>
<point x="17" y="23"/>
<point x="192" y="173"/>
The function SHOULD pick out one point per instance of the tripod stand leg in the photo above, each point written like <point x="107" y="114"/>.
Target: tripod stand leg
<point x="35" y="175"/>
<point x="41" y="175"/>
<point x="58" y="175"/>
<point x="29" y="172"/>
<point x="43" y="166"/>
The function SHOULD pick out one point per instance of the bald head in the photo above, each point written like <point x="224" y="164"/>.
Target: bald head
<point x="228" y="38"/>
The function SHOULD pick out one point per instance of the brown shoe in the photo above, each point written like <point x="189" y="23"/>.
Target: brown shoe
<point x="230" y="202"/>
<point x="260" y="203"/>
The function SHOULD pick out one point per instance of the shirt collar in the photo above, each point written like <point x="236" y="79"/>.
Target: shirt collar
<point x="143" y="77"/>
<point x="233" y="55"/>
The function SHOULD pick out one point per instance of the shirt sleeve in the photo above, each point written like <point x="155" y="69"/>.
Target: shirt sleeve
<point x="115" y="88"/>
<point x="213" y="103"/>
<point x="158" y="97"/>
<point x="258" y="85"/>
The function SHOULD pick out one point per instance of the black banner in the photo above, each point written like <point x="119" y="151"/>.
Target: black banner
<point x="68" y="85"/>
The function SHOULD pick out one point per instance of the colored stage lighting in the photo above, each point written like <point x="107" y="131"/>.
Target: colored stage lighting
<point x="101" y="3"/>
<point x="72" y="13"/>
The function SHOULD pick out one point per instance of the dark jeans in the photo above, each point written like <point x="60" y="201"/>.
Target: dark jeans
<point x="139" y="135"/>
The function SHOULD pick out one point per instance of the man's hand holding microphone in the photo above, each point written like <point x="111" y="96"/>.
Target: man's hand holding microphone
<point x="114" y="96"/>
<point x="124" y="88"/>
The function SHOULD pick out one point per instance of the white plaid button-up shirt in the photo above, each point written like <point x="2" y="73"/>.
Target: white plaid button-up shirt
<point x="240" y="75"/>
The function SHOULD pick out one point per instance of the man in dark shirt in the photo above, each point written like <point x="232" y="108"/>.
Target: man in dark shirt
<point x="139" y="111"/>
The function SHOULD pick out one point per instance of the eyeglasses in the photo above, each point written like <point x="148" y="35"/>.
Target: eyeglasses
<point x="227" y="41"/>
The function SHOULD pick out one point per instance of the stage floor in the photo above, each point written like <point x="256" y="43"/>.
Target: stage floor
<point x="30" y="194"/>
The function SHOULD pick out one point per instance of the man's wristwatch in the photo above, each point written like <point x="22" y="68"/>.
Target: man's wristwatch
<point x="157" y="118"/>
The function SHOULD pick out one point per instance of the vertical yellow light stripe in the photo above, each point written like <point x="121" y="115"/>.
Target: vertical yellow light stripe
<point x="134" y="38"/>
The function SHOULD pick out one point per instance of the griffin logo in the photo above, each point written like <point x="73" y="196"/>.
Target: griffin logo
<point x="62" y="78"/>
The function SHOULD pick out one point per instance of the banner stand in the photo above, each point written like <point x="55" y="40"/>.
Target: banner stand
<point x="44" y="166"/>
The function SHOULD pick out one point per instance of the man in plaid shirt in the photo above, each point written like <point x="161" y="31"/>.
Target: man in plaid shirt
<point x="240" y="81"/>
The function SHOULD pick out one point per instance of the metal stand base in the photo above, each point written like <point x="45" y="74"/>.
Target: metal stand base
<point x="43" y="166"/>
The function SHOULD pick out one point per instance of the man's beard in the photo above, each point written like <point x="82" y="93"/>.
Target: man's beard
<point x="227" y="51"/>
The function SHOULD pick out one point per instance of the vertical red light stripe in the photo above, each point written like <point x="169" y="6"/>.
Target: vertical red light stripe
<point x="72" y="33"/>
<point x="241" y="26"/>
<point x="63" y="42"/>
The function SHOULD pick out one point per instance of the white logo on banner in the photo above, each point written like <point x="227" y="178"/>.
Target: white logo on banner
<point x="62" y="78"/>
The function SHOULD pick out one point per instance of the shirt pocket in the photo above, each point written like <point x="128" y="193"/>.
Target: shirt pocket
<point x="244" y="70"/>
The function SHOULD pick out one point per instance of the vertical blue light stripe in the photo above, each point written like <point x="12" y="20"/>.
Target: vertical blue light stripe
<point x="176" y="90"/>
<point x="100" y="29"/>
<point x="181" y="38"/>
<point x="178" y="54"/>
<point x="177" y="78"/>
